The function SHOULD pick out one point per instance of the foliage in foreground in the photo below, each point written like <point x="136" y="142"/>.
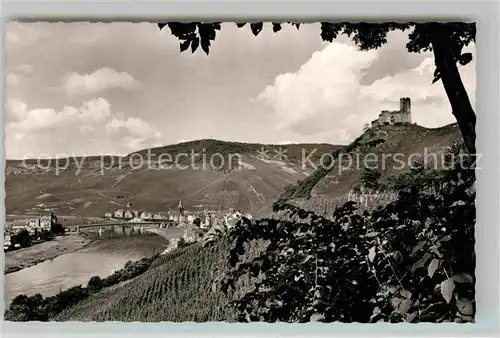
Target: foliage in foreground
<point x="412" y="260"/>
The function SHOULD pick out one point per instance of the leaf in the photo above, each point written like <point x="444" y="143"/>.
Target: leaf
<point x="447" y="288"/>
<point x="411" y="317"/>
<point x="433" y="266"/>
<point x="194" y="45"/>
<point x="404" y="306"/>
<point x="256" y="28"/>
<point x="396" y="301"/>
<point x="421" y="262"/>
<point x="465" y="58"/>
<point x="161" y="25"/>
<point x="276" y="27"/>
<point x="436" y="79"/>
<point x="398" y="257"/>
<point x="372" y="253"/>
<point x="445" y="238"/>
<point x="435" y="250"/>
<point x="317" y="317"/>
<point x="205" y="44"/>
<point x="463" y="278"/>
<point x="185" y="45"/>
<point x="405" y="293"/>
<point x="241" y="24"/>
<point x="465" y="307"/>
<point x="417" y="247"/>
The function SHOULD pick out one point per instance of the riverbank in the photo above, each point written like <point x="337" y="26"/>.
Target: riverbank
<point x="26" y="257"/>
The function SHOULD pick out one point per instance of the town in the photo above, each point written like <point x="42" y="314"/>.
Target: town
<point x="47" y="221"/>
<point x="203" y="219"/>
<point x="44" y="223"/>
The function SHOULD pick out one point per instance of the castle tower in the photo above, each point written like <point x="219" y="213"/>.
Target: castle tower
<point x="180" y="209"/>
<point x="405" y="108"/>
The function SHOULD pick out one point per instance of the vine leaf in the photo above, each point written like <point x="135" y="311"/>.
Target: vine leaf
<point x="433" y="266"/>
<point x="463" y="278"/>
<point x="465" y="307"/>
<point x="447" y="288"/>
<point x="404" y="306"/>
<point x="185" y="45"/>
<point x="276" y="27"/>
<point x="205" y="44"/>
<point x="421" y="262"/>
<point x="372" y="253"/>
<point x="256" y="28"/>
<point x="465" y="58"/>
<point x="194" y="45"/>
<point x="317" y="317"/>
<point x="437" y="76"/>
<point x="405" y="293"/>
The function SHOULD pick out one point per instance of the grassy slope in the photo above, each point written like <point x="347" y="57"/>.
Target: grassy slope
<point x="178" y="287"/>
<point x="404" y="139"/>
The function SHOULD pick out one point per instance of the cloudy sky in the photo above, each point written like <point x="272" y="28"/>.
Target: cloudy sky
<point x="112" y="88"/>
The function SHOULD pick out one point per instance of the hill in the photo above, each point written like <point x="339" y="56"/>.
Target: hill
<point x="390" y="149"/>
<point x="178" y="287"/>
<point x="222" y="175"/>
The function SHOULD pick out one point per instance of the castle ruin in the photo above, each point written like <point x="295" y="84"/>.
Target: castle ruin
<point x="403" y="115"/>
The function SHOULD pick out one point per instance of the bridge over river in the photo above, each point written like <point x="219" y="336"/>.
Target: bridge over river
<point x="119" y="227"/>
<point x="159" y="228"/>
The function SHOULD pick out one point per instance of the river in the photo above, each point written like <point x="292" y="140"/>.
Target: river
<point x="100" y="258"/>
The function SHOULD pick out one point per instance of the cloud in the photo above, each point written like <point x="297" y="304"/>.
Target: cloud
<point x="24" y="120"/>
<point x="86" y="128"/>
<point x="16" y="110"/>
<point x="430" y="104"/>
<point x="20" y="34"/>
<point x="24" y="69"/>
<point x="19" y="74"/>
<point x="97" y="81"/>
<point x="134" y="126"/>
<point x="326" y="101"/>
<point x="326" y="85"/>
<point x="134" y="132"/>
<point x="13" y="79"/>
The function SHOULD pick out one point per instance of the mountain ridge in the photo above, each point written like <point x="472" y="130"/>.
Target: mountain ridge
<point x="250" y="182"/>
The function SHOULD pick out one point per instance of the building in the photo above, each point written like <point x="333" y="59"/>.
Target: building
<point x="180" y="212"/>
<point x="47" y="220"/>
<point x="146" y="215"/>
<point x="119" y="213"/>
<point x="33" y="223"/>
<point x="128" y="214"/>
<point x="207" y="220"/>
<point x="403" y="115"/>
<point x="108" y="215"/>
<point x="160" y="216"/>
<point x="7" y="242"/>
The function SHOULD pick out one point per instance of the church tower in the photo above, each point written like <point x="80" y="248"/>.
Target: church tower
<point x="180" y="209"/>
